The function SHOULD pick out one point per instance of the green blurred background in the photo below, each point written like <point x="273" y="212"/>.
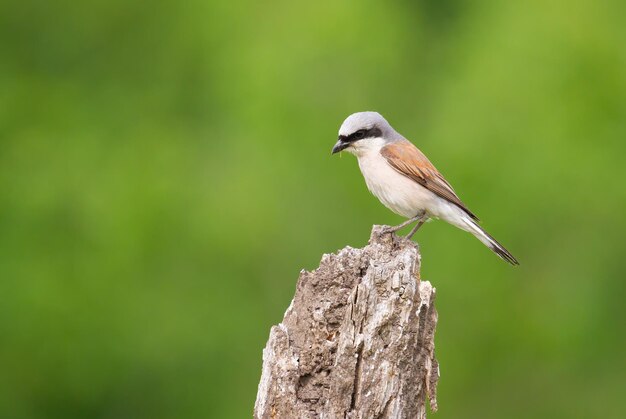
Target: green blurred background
<point x="165" y="173"/>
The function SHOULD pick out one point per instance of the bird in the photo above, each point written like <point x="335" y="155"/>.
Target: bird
<point x="405" y="181"/>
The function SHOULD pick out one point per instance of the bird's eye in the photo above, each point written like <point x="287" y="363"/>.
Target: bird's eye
<point x="359" y="134"/>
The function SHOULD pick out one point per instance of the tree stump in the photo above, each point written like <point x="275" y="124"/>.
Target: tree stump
<point x="357" y="340"/>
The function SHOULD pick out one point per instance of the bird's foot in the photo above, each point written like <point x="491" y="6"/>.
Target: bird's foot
<point x="387" y="230"/>
<point x="392" y="229"/>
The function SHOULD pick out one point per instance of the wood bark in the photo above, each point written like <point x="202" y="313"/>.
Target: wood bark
<point x="357" y="340"/>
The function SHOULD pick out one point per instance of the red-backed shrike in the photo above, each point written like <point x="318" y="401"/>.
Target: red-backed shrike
<point x="404" y="180"/>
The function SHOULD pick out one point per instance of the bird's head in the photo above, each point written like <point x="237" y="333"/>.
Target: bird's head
<point x="361" y="130"/>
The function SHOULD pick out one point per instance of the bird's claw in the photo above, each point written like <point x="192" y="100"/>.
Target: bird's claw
<point x="387" y="230"/>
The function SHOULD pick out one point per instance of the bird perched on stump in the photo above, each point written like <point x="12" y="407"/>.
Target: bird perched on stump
<point x="404" y="180"/>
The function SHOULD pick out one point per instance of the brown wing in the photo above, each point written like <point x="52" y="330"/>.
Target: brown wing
<point x="404" y="157"/>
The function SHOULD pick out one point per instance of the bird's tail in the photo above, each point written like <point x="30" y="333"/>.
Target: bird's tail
<point x="489" y="241"/>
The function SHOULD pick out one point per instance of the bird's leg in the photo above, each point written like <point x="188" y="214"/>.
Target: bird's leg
<point x="393" y="229"/>
<point x="417" y="227"/>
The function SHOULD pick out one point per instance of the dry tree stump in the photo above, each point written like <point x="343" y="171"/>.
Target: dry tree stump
<point x="357" y="340"/>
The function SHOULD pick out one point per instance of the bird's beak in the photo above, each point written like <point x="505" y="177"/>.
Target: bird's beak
<point x="340" y="145"/>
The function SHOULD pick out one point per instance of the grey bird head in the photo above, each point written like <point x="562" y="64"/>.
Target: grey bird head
<point x="362" y="126"/>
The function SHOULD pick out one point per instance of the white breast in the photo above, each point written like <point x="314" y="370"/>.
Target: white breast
<point x="400" y="194"/>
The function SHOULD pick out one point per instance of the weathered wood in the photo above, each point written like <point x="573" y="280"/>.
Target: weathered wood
<point x="357" y="340"/>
